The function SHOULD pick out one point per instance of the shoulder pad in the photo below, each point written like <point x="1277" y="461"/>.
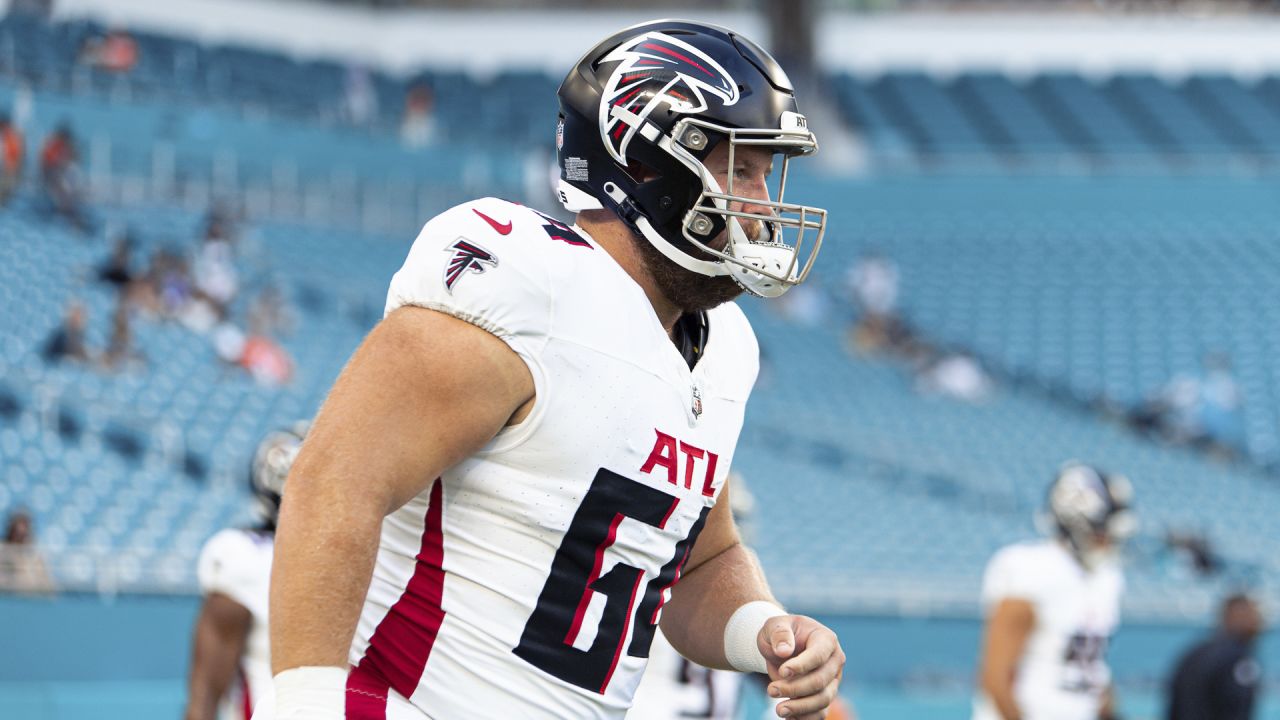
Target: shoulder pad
<point x="488" y="262"/>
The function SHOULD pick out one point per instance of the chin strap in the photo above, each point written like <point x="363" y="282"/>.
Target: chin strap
<point x="672" y="253"/>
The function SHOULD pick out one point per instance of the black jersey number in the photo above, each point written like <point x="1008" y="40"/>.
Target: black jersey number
<point x="558" y="620"/>
<point x="1084" y="670"/>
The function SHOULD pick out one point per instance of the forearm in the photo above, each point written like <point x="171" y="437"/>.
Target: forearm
<point x="1000" y="691"/>
<point x="702" y="603"/>
<point x="207" y="685"/>
<point x="324" y="556"/>
<point x="220" y="634"/>
<point x="201" y="703"/>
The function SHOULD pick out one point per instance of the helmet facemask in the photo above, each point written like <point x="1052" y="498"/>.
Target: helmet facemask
<point x="770" y="264"/>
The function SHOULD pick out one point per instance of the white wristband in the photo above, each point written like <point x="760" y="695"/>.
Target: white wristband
<point x="311" y="693"/>
<point x="740" y="646"/>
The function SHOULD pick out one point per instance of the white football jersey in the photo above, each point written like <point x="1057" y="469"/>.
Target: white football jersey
<point x="1063" y="671"/>
<point x="527" y="581"/>
<point x="674" y="688"/>
<point x="237" y="563"/>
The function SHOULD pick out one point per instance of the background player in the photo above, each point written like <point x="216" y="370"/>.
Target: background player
<point x="1053" y="604"/>
<point x="523" y="454"/>
<point x="230" y="661"/>
<point x="1219" y="677"/>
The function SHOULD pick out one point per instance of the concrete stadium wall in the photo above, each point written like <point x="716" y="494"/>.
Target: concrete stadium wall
<point x="81" y="656"/>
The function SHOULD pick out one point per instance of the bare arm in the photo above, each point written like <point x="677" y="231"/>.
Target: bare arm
<point x="424" y="391"/>
<point x="694" y="619"/>
<point x="1007" y="630"/>
<point x="1108" y="709"/>
<point x="804" y="658"/>
<point x="221" y="631"/>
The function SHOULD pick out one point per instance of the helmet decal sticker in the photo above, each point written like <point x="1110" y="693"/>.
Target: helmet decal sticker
<point x="655" y="69"/>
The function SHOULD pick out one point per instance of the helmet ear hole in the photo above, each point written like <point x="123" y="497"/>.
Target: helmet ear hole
<point x="641" y="173"/>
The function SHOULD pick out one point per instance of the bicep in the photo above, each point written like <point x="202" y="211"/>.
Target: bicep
<point x="223" y="621"/>
<point x="1008" y="628"/>
<point x="424" y="391"/>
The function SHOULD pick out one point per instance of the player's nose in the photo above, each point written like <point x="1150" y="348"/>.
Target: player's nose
<point x="756" y="191"/>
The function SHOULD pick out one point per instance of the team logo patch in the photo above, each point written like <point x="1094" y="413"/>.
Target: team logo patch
<point x="657" y="69"/>
<point x="467" y="257"/>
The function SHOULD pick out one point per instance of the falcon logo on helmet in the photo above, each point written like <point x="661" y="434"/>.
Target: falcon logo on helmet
<point x="656" y="69"/>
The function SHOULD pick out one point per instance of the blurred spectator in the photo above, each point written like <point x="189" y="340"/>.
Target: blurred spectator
<point x="418" y="126"/>
<point x="60" y="177"/>
<point x="954" y="375"/>
<point x="117" y="52"/>
<point x="214" y="271"/>
<point x="22" y="568"/>
<point x="118" y="270"/>
<point x="120" y="352"/>
<point x="12" y="154"/>
<point x="1218" y="678"/>
<point x="1219" y="406"/>
<point x="359" y="98"/>
<point x="266" y="360"/>
<point x="1197" y="409"/>
<point x="67" y="340"/>
<point x="169" y="283"/>
<point x="873" y="284"/>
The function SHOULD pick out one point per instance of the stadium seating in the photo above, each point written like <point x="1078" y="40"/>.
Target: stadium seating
<point x="978" y="119"/>
<point x="916" y="491"/>
<point x="1087" y="286"/>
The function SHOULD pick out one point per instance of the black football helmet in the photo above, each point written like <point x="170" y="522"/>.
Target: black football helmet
<point x="1091" y="511"/>
<point x="643" y="109"/>
<point x="271" y="463"/>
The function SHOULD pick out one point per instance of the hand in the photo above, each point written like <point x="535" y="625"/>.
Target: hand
<point x="805" y="665"/>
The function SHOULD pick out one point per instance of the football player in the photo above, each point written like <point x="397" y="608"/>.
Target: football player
<point x="1052" y="606"/>
<point x="522" y="470"/>
<point x="230" y="663"/>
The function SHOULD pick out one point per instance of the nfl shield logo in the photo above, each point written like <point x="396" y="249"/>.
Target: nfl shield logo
<point x="697" y="402"/>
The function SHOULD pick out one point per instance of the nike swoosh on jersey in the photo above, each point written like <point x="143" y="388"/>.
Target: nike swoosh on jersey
<point x="501" y="228"/>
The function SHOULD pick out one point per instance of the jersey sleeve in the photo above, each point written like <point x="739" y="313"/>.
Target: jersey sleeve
<point x="478" y="262"/>
<point x="226" y="566"/>
<point x="1010" y="574"/>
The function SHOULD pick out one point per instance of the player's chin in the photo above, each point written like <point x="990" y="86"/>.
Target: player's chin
<point x="694" y="292"/>
<point x="687" y="290"/>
